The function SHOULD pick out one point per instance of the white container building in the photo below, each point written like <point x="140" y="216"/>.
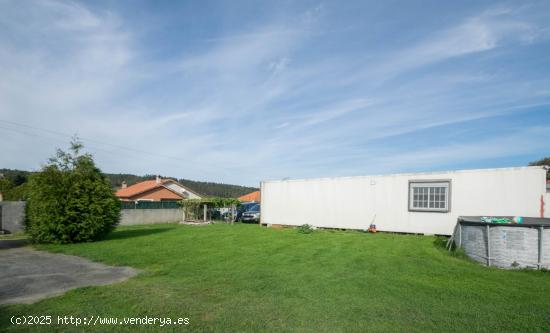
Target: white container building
<point x="426" y="203"/>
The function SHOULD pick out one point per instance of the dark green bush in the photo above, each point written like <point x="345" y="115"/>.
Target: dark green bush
<point x="305" y="229"/>
<point x="70" y="201"/>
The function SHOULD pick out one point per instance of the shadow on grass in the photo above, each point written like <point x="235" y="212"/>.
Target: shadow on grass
<point x="122" y="234"/>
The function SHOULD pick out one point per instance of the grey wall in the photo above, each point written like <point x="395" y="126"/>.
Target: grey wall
<point x="513" y="244"/>
<point x="12" y="216"/>
<point x="474" y="242"/>
<point x="150" y="216"/>
<point x="508" y="245"/>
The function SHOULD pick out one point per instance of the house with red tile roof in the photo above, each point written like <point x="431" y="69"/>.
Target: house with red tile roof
<point x="253" y="196"/>
<point x="156" y="190"/>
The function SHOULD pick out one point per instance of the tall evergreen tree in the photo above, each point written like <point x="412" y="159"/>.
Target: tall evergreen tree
<point x="70" y="200"/>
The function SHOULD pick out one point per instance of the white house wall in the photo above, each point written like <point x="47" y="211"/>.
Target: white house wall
<point x="356" y="202"/>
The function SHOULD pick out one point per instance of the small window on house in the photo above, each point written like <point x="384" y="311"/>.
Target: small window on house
<point x="429" y="196"/>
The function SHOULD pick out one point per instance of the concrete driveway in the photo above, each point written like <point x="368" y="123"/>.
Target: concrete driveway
<point x="27" y="276"/>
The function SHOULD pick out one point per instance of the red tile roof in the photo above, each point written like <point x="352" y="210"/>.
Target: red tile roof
<point x="138" y="188"/>
<point x="254" y="196"/>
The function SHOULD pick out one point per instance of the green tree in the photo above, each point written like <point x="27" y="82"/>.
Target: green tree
<point x="11" y="192"/>
<point x="543" y="161"/>
<point x="70" y="200"/>
<point x="19" y="179"/>
<point x="17" y="193"/>
<point x="5" y="187"/>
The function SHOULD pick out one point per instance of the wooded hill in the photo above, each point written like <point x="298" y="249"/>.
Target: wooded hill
<point x="15" y="182"/>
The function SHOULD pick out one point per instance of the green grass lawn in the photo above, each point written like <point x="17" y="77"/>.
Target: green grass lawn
<point x="243" y="278"/>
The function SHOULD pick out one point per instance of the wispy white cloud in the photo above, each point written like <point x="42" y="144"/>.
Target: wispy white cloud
<point x="68" y="57"/>
<point x="275" y="98"/>
<point x="519" y="142"/>
<point x="336" y="111"/>
<point x="83" y="81"/>
<point x="493" y="28"/>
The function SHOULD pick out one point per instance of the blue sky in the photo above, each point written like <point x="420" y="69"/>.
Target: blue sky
<point x="244" y="91"/>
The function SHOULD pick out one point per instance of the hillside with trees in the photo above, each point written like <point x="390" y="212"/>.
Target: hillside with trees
<point x="14" y="182"/>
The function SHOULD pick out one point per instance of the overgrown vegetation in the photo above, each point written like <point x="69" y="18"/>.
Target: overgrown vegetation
<point x="305" y="229"/>
<point x="243" y="278"/>
<point x="193" y="208"/>
<point x="17" y="178"/>
<point x="13" y="185"/>
<point x="70" y="200"/>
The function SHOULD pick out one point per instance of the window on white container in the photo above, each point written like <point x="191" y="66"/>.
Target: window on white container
<point x="429" y="196"/>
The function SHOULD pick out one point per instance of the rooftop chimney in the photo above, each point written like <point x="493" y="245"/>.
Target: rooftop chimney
<point x="124" y="185"/>
<point x="158" y="179"/>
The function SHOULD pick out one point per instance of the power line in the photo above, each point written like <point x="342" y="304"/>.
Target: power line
<point x="91" y="140"/>
<point x="125" y="149"/>
<point x="48" y="137"/>
<point x="99" y="150"/>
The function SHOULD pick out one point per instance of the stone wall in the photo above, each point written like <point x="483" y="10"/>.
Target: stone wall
<point x="150" y="216"/>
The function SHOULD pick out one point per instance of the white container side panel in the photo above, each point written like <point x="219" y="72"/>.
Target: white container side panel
<point x="546" y="248"/>
<point x="356" y="202"/>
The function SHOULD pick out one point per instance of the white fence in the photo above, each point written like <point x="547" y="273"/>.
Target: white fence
<point x="356" y="202"/>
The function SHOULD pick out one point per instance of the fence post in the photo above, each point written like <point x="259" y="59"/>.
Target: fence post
<point x="541" y="231"/>
<point x="488" y="245"/>
<point x="204" y="212"/>
<point x="459" y="235"/>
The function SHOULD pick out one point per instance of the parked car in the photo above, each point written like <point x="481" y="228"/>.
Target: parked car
<point x="252" y="215"/>
<point x="242" y="208"/>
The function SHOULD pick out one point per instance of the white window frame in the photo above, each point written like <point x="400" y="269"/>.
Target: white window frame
<point x="431" y="196"/>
